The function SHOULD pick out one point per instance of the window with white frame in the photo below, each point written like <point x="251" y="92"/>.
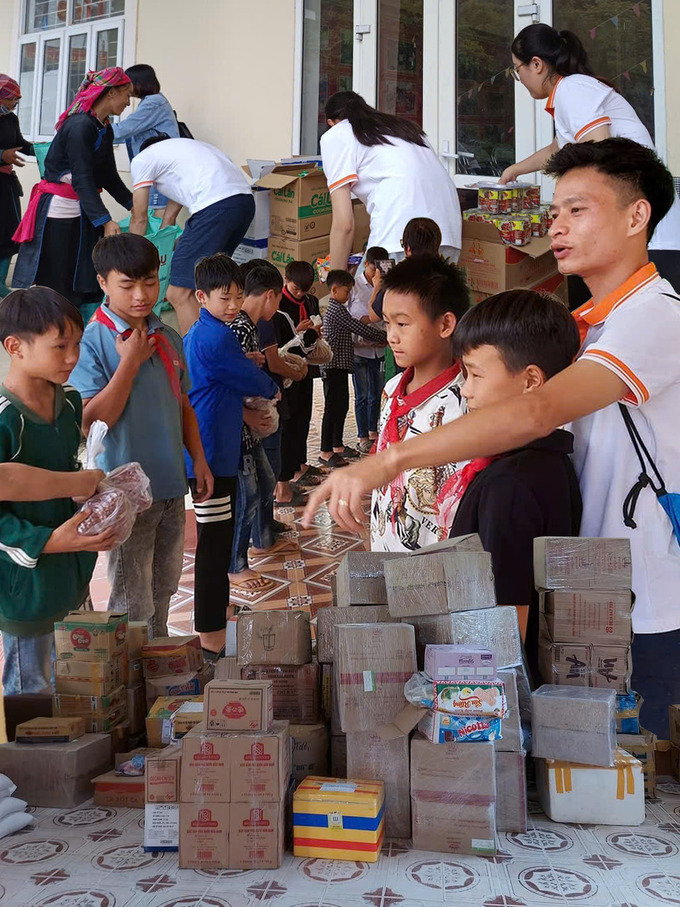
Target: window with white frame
<point x="61" y="40"/>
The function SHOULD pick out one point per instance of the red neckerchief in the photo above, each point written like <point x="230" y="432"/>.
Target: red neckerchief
<point x="165" y="350"/>
<point x="300" y="303"/>
<point x="456" y="485"/>
<point x="402" y="403"/>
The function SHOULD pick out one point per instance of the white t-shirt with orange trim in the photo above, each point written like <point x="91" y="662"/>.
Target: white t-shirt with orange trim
<point x="580" y="104"/>
<point x="635" y="332"/>
<point x="396" y="182"/>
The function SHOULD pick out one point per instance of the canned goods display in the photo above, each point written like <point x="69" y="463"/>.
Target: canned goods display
<point x="490" y="200"/>
<point x="532" y="198"/>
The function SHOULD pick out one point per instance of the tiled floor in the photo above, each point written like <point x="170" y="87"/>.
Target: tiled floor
<point x="92" y="857"/>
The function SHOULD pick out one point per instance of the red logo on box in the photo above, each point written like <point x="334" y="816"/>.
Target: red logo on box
<point x="204" y="820"/>
<point x="257" y="754"/>
<point x="234" y="710"/>
<point x="81" y="638"/>
<point x="206" y="753"/>
<point x="121" y="632"/>
<point x="256" y="819"/>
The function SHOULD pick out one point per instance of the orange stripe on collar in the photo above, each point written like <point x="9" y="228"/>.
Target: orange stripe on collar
<point x="550" y="106"/>
<point x="596" y="314"/>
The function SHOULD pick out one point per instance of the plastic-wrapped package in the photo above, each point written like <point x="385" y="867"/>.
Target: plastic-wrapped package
<point x="511" y="792"/>
<point x="477" y="698"/>
<point x="133" y="768"/>
<point x="131" y="479"/>
<point x="582" y="563"/>
<point x="456" y="580"/>
<point x="572" y="724"/>
<point x="109" y="510"/>
<point x="263" y="405"/>
<point x="371" y="758"/>
<point x="440" y="727"/>
<point x="295" y="690"/>
<point x="274" y="638"/>
<point x="321" y="353"/>
<point x="328" y="618"/>
<point x="360" y="578"/>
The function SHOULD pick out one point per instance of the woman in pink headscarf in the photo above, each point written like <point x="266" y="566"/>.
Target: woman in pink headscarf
<point x="12" y="144"/>
<point x="66" y="215"/>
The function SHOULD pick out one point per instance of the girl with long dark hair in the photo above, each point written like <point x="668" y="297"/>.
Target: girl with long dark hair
<point x="387" y="162"/>
<point x="554" y="65"/>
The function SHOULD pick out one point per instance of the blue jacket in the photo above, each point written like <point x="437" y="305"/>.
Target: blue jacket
<point x="153" y="115"/>
<point x="221" y="376"/>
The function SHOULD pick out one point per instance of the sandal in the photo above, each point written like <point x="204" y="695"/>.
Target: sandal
<point x="298" y="500"/>
<point x="255" y="586"/>
<point x="334" y="462"/>
<point x="280" y="546"/>
<point x="278" y="526"/>
<point x="307" y="481"/>
<point x="313" y="471"/>
<point x="365" y="447"/>
<point x="349" y="453"/>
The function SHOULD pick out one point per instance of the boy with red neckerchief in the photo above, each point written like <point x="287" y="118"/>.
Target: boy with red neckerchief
<point x="424" y="299"/>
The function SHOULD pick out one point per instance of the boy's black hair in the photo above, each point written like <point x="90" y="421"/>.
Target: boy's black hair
<point x="144" y="79"/>
<point x="637" y="170"/>
<point x="129" y="254"/>
<point x="249" y="266"/>
<point x="217" y="272"/>
<point x="261" y="279"/>
<point x="161" y="137"/>
<point x="338" y="278"/>
<point x="33" y="311"/>
<point x="422" y="236"/>
<point x="525" y="326"/>
<point x="301" y="273"/>
<point x="376" y="253"/>
<point x="439" y="286"/>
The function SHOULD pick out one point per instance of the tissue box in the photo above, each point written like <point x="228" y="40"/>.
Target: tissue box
<point x="274" y="638"/>
<point x="589" y="616"/>
<point x="496" y="629"/>
<point x="360" y="578"/>
<point x="571" y="724"/>
<point x="372" y="664"/>
<point x="511" y="792"/>
<point x="371" y="757"/>
<point x="91" y="635"/>
<point x="295" y="690"/>
<point x="582" y="563"/>
<point x="338" y="819"/>
<point x="309" y="743"/>
<point x="452" y="581"/>
<point x="239" y="705"/>
<point x="459" y="662"/>
<point x="328" y="618"/>
<point x="592" y="795"/>
<point x="171" y="655"/>
<point x="453" y="796"/>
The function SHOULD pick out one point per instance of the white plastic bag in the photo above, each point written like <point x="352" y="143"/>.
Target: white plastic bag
<point x="11" y="805"/>
<point x="7" y="787"/>
<point x="14" y="822"/>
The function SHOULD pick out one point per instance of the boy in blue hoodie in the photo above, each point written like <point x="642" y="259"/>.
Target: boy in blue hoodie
<point x="221" y="376"/>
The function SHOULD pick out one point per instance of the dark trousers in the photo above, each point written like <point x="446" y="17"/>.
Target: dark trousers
<point x="336" y="396"/>
<point x="656" y="678"/>
<point x="368" y="384"/>
<point x="215" y="520"/>
<point x="58" y="260"/>
<point x="295" y="429"/>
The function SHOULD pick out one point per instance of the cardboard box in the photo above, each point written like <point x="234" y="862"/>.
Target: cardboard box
<point x="563" y="663"/>
<point x="589" y="616"/>
<point x="239" y="705"/>
<point x="582" y="563"/>
<point x="295" y="689"/>
<point x="610" y="668"/>
<point x="373" y="662"/>
<point x="187" y="716"/>
<point x="360" y="578"/>
<point x="203" y="836"/>
<point x="122" y="758"/>
<point x="257" y="835"/>
<point x="158" y="724"/>
<point x="205" y="769"/>
<point x="300" y="203"/>
<point x="119" y="735"/>
<point x="675" y="761"/>
<point x="123" y="791"/>
<point x="571" y="724"/>
<point x="492" y="266"/>
<point x="328" y="813"/>
<point x="136" y="709"/>
<point x="250" y="250"/>
<point x="310" y="750"/>
<point x="260" y="765"/>
<point x="56" y="774"/>
<point x="161" y="827"/>
<point x="339" y="755"/>
<point x="454" y="580"/>
<point x="49" y="730"/>
<point x="89" y="678"/>
<point x="643" y="747"/>
<point x="274" y="638"/>
<point x="511" y="792"/>
<point x="469" y="542"/>
<point x="137" y="638"/>
<point x="191" y="684"/>
<point x="227" y="669"/>
<point x="512" y="738"/>
<point x="162" y="775"/>
<point x="371" y="757"/>
<point x="91" y="635"/>
<point x="171" y="655"/>
<point x="453" y="828"/>
<point x="674" y="718"/>
<point x="134" y="673"/>
<point x="106" y="722"/>
<point x="459" y="662"/>
<point x="64" y="704"/>
<point x="592" y="795"/>
<point x="328" y="618"/>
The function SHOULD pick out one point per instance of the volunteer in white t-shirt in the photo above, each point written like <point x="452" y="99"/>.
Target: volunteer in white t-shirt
<point x="387" y="163"/>
<point x="199" y="177"/>
<point x="603" y="214"/>
<point x="554" y="65"/>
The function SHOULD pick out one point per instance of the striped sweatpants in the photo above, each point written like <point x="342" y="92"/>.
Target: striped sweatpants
<point x="215" y="534"/>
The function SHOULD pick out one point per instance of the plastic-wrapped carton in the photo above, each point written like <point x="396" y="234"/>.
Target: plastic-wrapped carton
<point x="589" y="616"/>
<point x="372" y="664"/>
<point x="274" y="638"/>
<point x="469" y="542"/>
<point x="610" y="668"/>
<point x="592" y="795"/>
<point x="360" y="578"/>
<point x="227" y="669"/>
<point x="511" y="792"/>
<point x="454" y="580"/>
<point x="310" y="750"/>
<point x="582" y="563"/>
<point x="328" y="618"/>
<point x="496" y="629"/>
<point x="295" y="690"/>
<point x="205" y="767"/>
<point x="571" y="724"/>
<point x="512" y="737"/>
<point x="239" y="705"/>
<point x="371" y="757"/>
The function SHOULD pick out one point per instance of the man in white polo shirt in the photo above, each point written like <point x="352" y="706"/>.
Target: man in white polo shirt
<point x="199" y="177"/>
<point x="609" y="197"/>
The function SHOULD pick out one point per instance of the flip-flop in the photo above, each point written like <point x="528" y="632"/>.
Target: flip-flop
<point x="307" y="481"/>
<point x="255" y="586"/>
<point x="280" y="546"/>
<point x="278" y="526"/>
<point x="298" y="500"/>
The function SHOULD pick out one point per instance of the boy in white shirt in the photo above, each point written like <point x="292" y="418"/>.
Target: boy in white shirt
<point x="424" y="299"/>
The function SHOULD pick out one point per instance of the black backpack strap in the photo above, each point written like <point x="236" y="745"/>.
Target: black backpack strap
<point x="644" y="479"/>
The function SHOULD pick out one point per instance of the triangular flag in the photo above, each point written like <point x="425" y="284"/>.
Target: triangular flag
<point x="644" y="65"/>
<point x="637" y="10"/>
<point x="626" y="75"/>
<point x="593" y="32"/>
<point x="615" y="20"/>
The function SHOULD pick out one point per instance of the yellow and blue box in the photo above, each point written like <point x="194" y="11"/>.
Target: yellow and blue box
<point x="339" y="819"/>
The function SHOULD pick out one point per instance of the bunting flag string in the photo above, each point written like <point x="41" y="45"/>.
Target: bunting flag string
<point x="636" y="9"/>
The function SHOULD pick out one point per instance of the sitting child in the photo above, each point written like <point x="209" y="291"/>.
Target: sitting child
<point x="512" y="344"/>
<point x="424" y="298"/>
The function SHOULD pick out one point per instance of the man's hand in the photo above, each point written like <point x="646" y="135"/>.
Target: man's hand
<point x="257" y="419"/>
<point x="9" y="156"/>
<point x="344" y="490"/>
<point x="85" y="483"/>
<point x="257" y="358"/>
<point x="111" y="228"/>
<point x="204" y="481"/>
<point x="509" y="175"/>
<point x="137" y="348"/>
<point x="65" y="539"/>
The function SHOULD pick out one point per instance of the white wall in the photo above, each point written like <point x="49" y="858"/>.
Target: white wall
<point x="671" y="31"/>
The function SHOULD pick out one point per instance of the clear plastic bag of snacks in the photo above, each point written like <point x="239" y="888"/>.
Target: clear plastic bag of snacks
<point x="110" y="509"/>
<point x="131" y="479"/>
<point x="268" y="407"/>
